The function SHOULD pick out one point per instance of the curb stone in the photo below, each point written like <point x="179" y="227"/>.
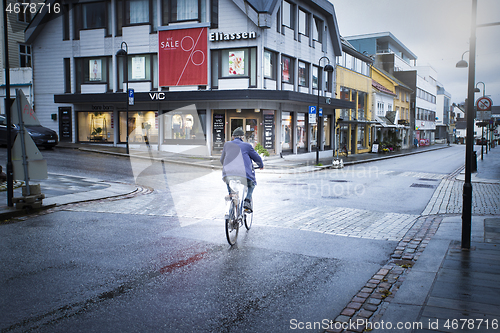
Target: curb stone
<point x="369" y="304"/>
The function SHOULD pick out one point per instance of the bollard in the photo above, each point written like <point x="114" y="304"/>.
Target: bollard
<point x="474" y="161"/>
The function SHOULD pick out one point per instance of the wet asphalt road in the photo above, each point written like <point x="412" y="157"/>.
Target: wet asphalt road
<point x="89" y="272"/>
<point x="77" y="271"/>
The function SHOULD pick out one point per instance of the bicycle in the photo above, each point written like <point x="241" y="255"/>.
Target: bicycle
<point x="236" y="215"/>
<point x="342" y="151"/>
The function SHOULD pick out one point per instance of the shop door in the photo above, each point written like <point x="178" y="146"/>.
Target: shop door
<point x="249" y="126"/>
<point x="65" y="123"/>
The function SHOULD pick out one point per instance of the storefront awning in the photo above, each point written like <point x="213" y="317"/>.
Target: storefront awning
<point x="355" y="122"/>
<point x="384" y="122"/>
<point x="208" y="95"/>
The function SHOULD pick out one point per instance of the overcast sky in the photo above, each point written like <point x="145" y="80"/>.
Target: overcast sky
<point x="437" y="32"/>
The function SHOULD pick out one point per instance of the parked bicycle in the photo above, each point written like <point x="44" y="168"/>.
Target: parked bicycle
<point x="236" y="215"/>
<point x="342" y="151"/>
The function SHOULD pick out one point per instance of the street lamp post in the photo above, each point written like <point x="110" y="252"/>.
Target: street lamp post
<point x="469" y="147"/>
<point x="9" y="171"/>
<point x="319" y="126"/>
<point x="482" y="121"/>
<point x="124" y="52"/>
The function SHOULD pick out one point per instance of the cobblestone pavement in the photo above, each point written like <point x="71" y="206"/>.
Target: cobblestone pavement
<point x="370" y="303"/>
<point x="447" y="199"/>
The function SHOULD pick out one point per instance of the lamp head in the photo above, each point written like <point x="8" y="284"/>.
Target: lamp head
<point x="121" y="52"/>
<point x="462" y="64"/>
<point x="328" y="68"/>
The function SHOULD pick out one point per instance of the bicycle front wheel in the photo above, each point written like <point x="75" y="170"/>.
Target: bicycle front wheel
<point x="248" y="220"/>
<point x="232" y="225"/>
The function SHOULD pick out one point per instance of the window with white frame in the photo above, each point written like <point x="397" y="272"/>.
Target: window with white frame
<point x="380" y="108"/>
<point x="303" y="22"/>
<point x="317" y="30"/>
<point x="269" y="65"/>
<point x="288" y="10"/>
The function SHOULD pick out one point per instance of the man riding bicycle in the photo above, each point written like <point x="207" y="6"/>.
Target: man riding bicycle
<point x="236" y="160"/>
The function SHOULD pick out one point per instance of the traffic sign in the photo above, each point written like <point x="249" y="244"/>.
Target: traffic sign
<point x="312" y="115"/>
<point x="131" y="97"/>
<point x="484" y="103"/>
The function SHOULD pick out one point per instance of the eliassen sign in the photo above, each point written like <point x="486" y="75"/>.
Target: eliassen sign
<point x="220" y="36"/>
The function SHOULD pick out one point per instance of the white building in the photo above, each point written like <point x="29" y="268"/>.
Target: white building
<point x="199" y="69"/>
<point x="20" y="71"/>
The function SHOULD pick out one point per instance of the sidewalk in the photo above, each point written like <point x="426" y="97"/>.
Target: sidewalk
<point x="431" y="284"/>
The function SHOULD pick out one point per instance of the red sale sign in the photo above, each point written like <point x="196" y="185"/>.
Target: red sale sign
<point x="182" y="57"/>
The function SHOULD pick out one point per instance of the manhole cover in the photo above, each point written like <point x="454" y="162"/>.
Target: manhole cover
<point x="422" y="185"/>
<point x="429" y="179"/>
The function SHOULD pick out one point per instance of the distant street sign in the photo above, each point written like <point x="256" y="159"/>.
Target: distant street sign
<point x="484" y="104"/>
<point x="131" y="99"/>
<point x="312" y="115"/>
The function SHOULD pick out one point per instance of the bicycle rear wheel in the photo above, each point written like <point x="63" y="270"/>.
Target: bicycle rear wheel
<point x="248" y="220"/>
<point x="232" y="225"/>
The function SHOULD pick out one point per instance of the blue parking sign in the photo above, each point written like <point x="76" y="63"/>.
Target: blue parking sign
<point x="131" y="97"/>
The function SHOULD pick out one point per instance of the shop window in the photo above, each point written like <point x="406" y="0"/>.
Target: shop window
<point x="269" y="65"/>
<point x="303" y="74"/>
<point x="184" y="127"/>
<point x="301" y="132"/>
<point x="91" y="70"/>
<point x="361" y="137"/>
<point x="287" y="69"/>
<point x="286" y="131"/>
<point x="142" y="127"/>
<point x="288" y="14"/>
<point x="317" y="30"/>
<point x="95" y="127"/>
<point x="303" y="22"/>
<point x="184" y="10"/>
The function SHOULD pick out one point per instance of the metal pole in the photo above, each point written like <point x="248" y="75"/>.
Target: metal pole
<point x="482" y="141"/>
<point x="9" y="171"/>
<point x="467" y="191"/>
<point x="126" y="95"/>
<point x="317" y="119"/>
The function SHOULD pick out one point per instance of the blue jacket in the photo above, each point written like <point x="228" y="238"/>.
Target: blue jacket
<point x="236" y="159"/>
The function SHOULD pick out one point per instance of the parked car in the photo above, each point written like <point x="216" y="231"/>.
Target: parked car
<point x="42" y="136"/>
<point x="482" y="141"/>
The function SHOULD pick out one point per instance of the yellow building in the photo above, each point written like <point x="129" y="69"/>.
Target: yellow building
<point x="354" y="84"/>
<point x="391" y="109"/>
